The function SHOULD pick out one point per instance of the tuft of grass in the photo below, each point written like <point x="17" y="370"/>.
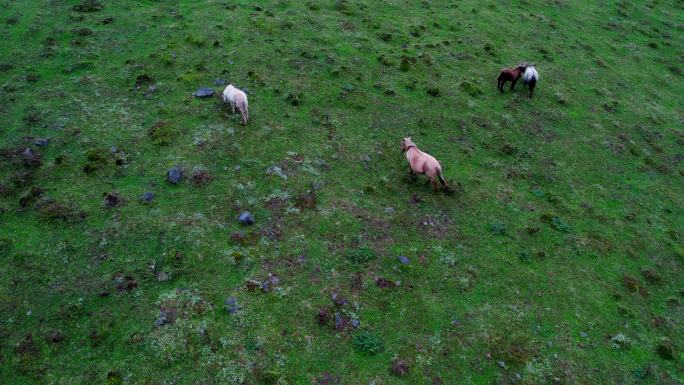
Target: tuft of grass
<point x="367" y="342"/>
<point x="361" y="255"/>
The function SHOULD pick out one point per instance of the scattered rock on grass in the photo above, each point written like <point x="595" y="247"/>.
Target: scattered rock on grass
<point x="403" y="260"/>
<point x="232" y="305"/>
<point x="277" y="171"/>
<point x="175" y="175"/>
<point x="147" y="197"/>
<point x="42" y="142"/>
<point x="166" y="316"/>
<point x="620" y="342"/>
<point x="31" y="158"/>
<point x="203" y="92"/>
<point x="245" y="218"/>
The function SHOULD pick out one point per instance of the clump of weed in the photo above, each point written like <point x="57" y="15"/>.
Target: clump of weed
<point x="295" y="98"/>
<point x="560" y="225"/>
<point x="95" y="160"/>
<point x="84" y="31"/>
<point x="162" y="133"/>
<point x="405" y="64"/>
<point x="88" y="6"/>
<point x="512" y="348"/>
<point x="470" y="88"/>
<point x="51" y="210"/>
<point x="6" y="246"/>
<point x="399" y="367"/>
<point x="666" y="349"/>
<point x="651" y="276"/>
<point x="361" y="255"/>
<point x="29" y="197"/>
<point x="200" y="176"/>
<point x="434" y="91"/>
<point x="497" y="228"/>
<point x="367" y="342"/>
<point x="196" y="41"/>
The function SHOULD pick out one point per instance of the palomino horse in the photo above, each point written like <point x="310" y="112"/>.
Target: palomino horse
<point x="422" y="163"/>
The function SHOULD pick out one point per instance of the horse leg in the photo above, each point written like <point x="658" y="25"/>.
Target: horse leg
<point x="513" y="84"/>
<point x="531" y="89"/>
<point x="412" y="174"/>
<point x="434" y="184"/>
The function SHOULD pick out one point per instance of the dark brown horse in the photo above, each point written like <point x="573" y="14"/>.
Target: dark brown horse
<point x="510" y="75"/>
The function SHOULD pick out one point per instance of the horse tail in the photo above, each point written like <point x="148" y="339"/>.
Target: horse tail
<point x="533" y="82"/>
<point x="441" y="177"/>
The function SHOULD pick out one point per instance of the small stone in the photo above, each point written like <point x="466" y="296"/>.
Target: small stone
<point x="175" y="175"/>
<point x="41" y="142"/>
<point x="166" y="316"/>
<point x="148" y="196"/>
<point x="113" y="149"/>
<point x="390" y="210"/>
<point x="237" y="168"/>
<point x="403" y="260"/>
<point x="583" y="335"/>
<point x="246" y="218"/>
<point x="340" y="322"/>
<point x="203" y="92"/>
<point x="220" y="82"/>
<point x="277" y="171"/>
<point x="232" y="305"/>
<point x="355" y="323"/>
<point x="161" y="321"/>
<point x="501" y="364"/>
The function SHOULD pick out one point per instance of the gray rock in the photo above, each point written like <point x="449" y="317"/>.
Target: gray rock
<point x="245" y="218"/>
<point x="583" y="335"/>
<point x="175" y="175"/>
<point x="390" y="210"/>
<point x="41" y="142"/>
<point x="203" y="92"/>
<point x="403" y="260"/>
<point x="220" y="82"/>
<point x="277" y="171"/>
<point x="232" y="305"/>
<point x="355" y="323"/>
<point x="161" y="321"/>
<point x="113" y="149"/>
<point x="148" y="196"/>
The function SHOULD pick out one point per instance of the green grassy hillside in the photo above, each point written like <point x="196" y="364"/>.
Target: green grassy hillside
<point x="557" y="259"/>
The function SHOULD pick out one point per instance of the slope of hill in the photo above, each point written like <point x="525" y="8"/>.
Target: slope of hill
<point x="558" y="258"/>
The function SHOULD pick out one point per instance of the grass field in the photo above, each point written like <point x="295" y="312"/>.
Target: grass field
<point x="557" y="259"/>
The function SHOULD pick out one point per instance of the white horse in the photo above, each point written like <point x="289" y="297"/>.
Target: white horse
<point x="530" y="78"/>
<point x="238" y="99"/>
